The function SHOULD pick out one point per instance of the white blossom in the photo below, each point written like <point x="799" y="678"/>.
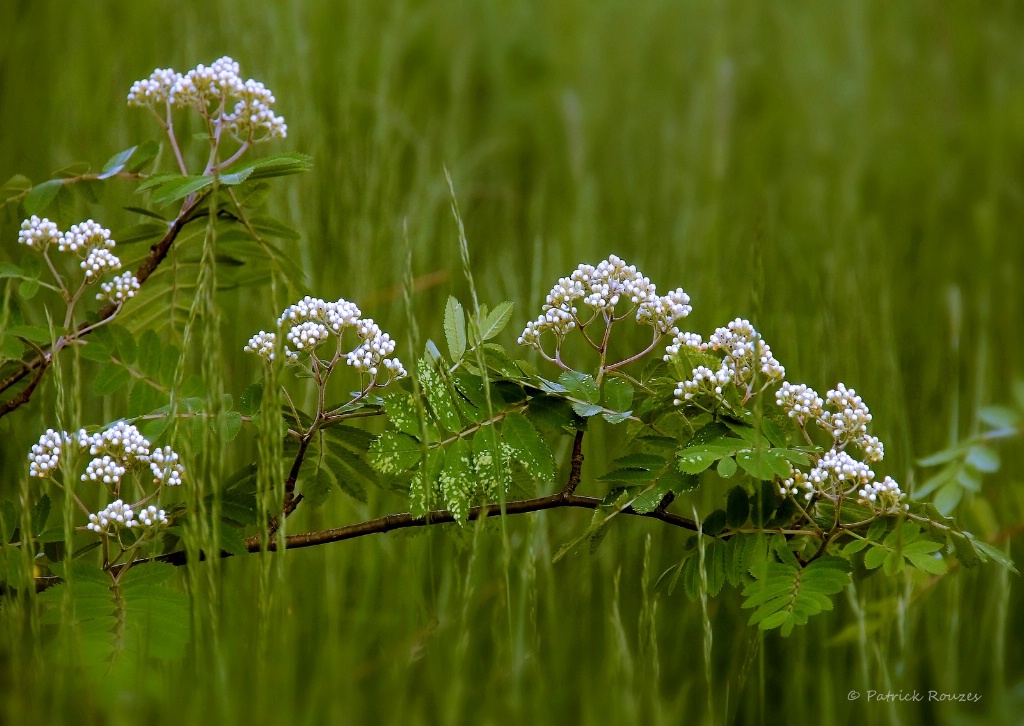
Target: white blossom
<point x="153" y="90"/>
<point x="116" y="515"/>
<point x="105" y="469"/>
<point x="121" y="288"/>
<point x="376" y="346"/>
<point x="745" y="352"/>
<point x="884" y="496"/>
<point x="122" y="440"/>
<point x="684" y="340"/>
<point x="39" y="233"/>
<point x="262" y="344"/>
<point x="799" y="401"/>
<point x="850" y="418"/>
<point x="99" y="261"/>
<point x="205" y="85"/>
<point x="44" y="456"/>
<point x="86" y="236"/>
<point x="152" y="517"/>
<point x="702" y="380"/>
<point x="165" y="467"/>
<point x="308" y="335"/>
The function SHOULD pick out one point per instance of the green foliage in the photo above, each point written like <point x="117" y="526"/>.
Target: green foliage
<point x="786" y="594"/>
<point x="137" y="614"/>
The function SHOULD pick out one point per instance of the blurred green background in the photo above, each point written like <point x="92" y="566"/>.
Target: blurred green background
<point x="848" y="175"/>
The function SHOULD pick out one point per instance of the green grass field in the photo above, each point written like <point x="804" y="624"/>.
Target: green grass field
<point x="845" y="174"/>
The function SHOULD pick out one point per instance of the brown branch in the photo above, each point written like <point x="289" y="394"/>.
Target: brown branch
<point x="43" y="359"/>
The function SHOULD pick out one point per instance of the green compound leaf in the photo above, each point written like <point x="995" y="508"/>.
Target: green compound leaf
<point x="493" y="473"/>
<point x="528" y="447"/>
<point x="401" y="412"/>
<point x="495" y="321"/>
<point x="351" y="473"/>
<point x="439" y="397"/>
<point x="785" y="596"/>
<point x="457" y="480"/>
<point x="455" y="328"/>
<point x="394" y="452"/>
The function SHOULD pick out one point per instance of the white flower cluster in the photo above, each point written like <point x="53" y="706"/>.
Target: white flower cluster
<point x="119" y="449"/>
<point x="39" y="233"/>
<point x="119" y="515"/>
<point x="702" y="380"/>
<point x="215" y="87"/>
<point x="310" y="322"/>
<point x="262" y="344"/>
<point x="849" y="422"/>
<point x="885" y="495"/>
<point x="44" y="456"/>
<point x="88" y="240"/>
<point x="121" y="288"/>
<point x="602" y="288"/>
<point x="745" y="351"/>
<point x="800" y="402"/>
<point x="372" y="352"/>
<point x="165" y="467"/>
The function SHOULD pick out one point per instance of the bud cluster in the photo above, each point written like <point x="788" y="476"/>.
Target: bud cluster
<point x="115" y="452"/>
<point x="311" y="322"/>
<point x="213" y="90"/>
<point x="90" y="242"/>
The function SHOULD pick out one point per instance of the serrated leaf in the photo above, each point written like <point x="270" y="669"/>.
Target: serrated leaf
<point x="278" y="165"/>
<point x="142" y="399"/>
<point x="251" y="399"/>
<point x="149" y="349"/>
<point x="581" y="386"/>
<point x="492" y="475"/>
<point x="626" y="476"/>
<point x="439" y="397"/>
<point x="110" y="379"/>
<point x="455" y="328"/>
<point x="232" y="421"/>
<point x="618" y="394"/>
<point x="528" y="447"/>
<point x="737" y="509"/>
<point x="456" y="480"/>
<point x="116" y="163"/>
<point x="351" y="473"/>
<point x="726" y="467"/>
<point x="983" y="458"/>
<point x="401" y="411"/>
<point x="124" y="343"/>
<point x="694" y="462"/>
<point x="774" y="433"/>
<point x="650" y="462"/>
<point x="178" y="188"/>
<point x="988" y="552"/>
<point x="41" y="196"/>
<point x="317" y="485"/>
<point x="495" y="321"/>
<point x="40" y="513"/>
<point x="95" y="351"/>
<point x="394" y="452"/>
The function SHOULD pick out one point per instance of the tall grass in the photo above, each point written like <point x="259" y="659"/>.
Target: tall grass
<point x="835" y="171"/>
